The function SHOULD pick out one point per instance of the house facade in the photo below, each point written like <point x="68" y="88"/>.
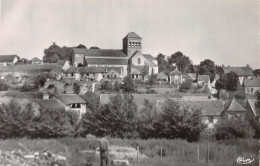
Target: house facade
<point x="162" y="77"/>
<point x="85" y="73"/>
<point x="242" y="72"/>
<point x="175" y="77"/>
<point x="235" y="110"/>
<point x="129" y="57"/>
<point x="252" y="85"/>
<point x="72" y="103"/>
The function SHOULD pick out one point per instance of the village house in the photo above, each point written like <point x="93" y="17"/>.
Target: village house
<point x="72" y="102"/>
<point x="234" y="110"/>
<point x="129" y="57"/>
<point x="252" y="85"/>
<point x="46" y="104"/>
<point x="86" y="73"/>
<point x="175" y="77"/>
<point x="64" y="64"/>
<point x="36" y="60"/>
<point x="162" y="77"/>
<point x="242" y="72"/>
<point x="6" y="60"/>
<point x="113" y="73"/>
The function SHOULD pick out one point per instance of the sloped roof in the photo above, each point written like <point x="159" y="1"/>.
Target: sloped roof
<point x="255" y="82"/>
<point x="33" y="67"/>
<point x="175" y="72"/>
<point x="135" y="71"/>
<point x="36" y="59"/>
<point x="117" y="69"/>
<point x="70" y="99"/>
<point x="7" y="58"/>
<point x="240" y="71"/>
<point x="210" y="107"/>
<point x="162" y="75"/>
<point x="106" y="61"/>
<point x="49" y="104"/>
<point x="192" y="75"/>
<point x="235" y="106"/>
<point x="144" y="70"/>
<point x="86" y="70"/>
<point x="99" y="52"/>
<point x="204" y="78"/>
<point x="132" y="35"/>
<point x="149" y="60"/>
<point x="251" y="103"/>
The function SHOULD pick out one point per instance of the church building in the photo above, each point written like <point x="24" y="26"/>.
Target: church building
<point x="122" y="62"/>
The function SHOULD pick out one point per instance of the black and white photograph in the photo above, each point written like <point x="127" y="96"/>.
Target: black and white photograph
<point x="129" y="82"/>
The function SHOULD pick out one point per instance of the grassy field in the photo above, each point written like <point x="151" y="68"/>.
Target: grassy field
<point x="160" y="152"/>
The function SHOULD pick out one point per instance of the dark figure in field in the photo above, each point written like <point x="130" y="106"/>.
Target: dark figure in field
<point x="104" y="153"/>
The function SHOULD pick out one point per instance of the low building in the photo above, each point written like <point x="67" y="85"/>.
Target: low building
<point x="242" y="72"/>
<point x="175" y="77"/>
<point x="64" y="64"/>
<point x="8" y="60"/>
<point x="162" y="77"/>
<point x="113" y="73"/>
<point x="234" y="110"/>
<point x="252" y="85"/>
<point x="47" y="104"/>
<point x="86" y="73"/>
<point x="73" y="103"/>
<point x="203" y="79"/>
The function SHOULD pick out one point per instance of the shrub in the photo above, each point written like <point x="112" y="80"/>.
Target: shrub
<point x="232" y="81"/>
<point x="76" y="88"/>
<point x="177" y="122"/>
<point x="186" y="85"/>
<point x="233" y="128"/>
<point x="40" y="81"/>
<point x="3" y="86"/>
<point x="128" y="85"/>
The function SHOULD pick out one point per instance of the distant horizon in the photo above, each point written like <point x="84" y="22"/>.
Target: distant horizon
<point x="225" y="32"/>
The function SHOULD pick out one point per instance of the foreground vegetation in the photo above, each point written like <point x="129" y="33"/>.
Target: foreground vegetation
<point x="159" y="151"/>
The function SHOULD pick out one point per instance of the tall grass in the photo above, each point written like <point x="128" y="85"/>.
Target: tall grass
<point x="159" y="151"/>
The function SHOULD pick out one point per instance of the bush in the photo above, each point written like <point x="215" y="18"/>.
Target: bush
<point x="3" y="86"/>
<point x="76" y="88"/>
<point x="186" y="85"/>
<point x="128" y="85"/>
<point x="40" y="81"/>
<point x="21" y="121"/>
<point x="233" y="128"/>
<point x="232" y="81"/>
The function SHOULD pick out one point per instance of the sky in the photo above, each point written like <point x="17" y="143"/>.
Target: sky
<point x="225" y="31"/>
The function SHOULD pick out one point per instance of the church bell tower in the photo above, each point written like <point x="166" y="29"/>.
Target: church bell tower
<point x="132" y="43"/>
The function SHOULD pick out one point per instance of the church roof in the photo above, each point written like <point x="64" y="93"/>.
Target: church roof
<point x="132" y="35"/>
<point x="106" y="61"/>
<point x="100" y="52"/>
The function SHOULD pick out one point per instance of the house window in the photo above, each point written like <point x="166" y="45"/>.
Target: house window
<point x="252" y="90"/>
<point x="72" y="74"/>
<point x="210" y="119"/>
<point x="139" y="60"/>
<point x="248" y="90"/>
<point x="133" y="76"/>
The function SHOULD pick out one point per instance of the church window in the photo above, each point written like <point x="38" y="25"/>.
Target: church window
<point x="139" y="60"/>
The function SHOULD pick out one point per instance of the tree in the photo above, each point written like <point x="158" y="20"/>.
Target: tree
<point x="191" y="69"/>
<point x="128" y="85"/>
<point x="92" y="100"/>
<point x="80" y="65"/>
<point x="176" y="122"/>
<point x="219" y="84"/>
<point x="233" y="128"/>
<point x="76" y="88"/>
<point x="53" y="54"/>
<point x="94" y="47"/>
<point x="40" y="81"/>
<point x="67" y="53"/>
<point x="115" y="119"/>
<point x="207" y="67"/>
<point x="162" y="63"/>
<point x="186" y="85"/>
<point x="257" y="72"/>
<point x="147" y="118"/>
<point x="232" y="81"/>
<point x="182" y="62"/>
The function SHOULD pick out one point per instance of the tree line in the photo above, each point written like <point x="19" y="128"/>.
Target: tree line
<point x="119" y="118"/>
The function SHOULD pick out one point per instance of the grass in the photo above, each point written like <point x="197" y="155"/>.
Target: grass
<point x="160" y="151"/>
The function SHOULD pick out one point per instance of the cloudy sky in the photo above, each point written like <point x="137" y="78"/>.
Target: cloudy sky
<point x="225" y="31"/>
